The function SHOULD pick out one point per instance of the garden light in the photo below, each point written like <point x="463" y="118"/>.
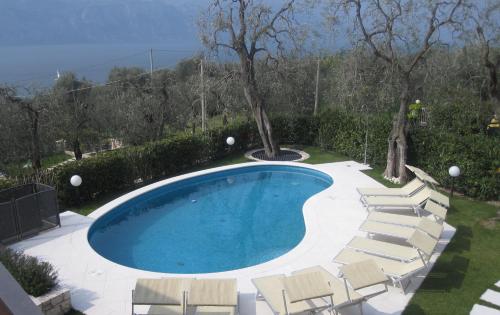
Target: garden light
<point x="75" y="180"/>
<point x="230" y="140"/>
<point x="454" y="171"/>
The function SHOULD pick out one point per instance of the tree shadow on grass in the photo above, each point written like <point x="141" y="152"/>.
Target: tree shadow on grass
<point x="446" y="275"/>
<point x="414" y="309"/>
<point x="461" y="241"/>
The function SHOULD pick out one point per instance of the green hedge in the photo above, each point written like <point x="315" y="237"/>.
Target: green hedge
<point x="477" y="155"/>
<point x="345" y="133"/>
<point x="432" y="148"/>
<point x="35" y="277"/>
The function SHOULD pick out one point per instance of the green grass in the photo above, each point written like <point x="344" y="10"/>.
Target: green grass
<point x="469" y="265"/>
<point x="17" y="168"/>
<point x="377" y="174"/>
<point x="55" y="159"/>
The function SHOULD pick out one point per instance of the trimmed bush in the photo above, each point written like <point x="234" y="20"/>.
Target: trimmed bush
<point x="6" y="183"/>
<point x="35" y="277"/>
<point x="434" y="148"/>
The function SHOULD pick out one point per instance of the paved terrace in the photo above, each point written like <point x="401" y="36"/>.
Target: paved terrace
<point x="332" y="218"/>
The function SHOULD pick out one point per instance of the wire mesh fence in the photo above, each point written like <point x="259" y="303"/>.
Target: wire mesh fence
<point x="26" y="210"/>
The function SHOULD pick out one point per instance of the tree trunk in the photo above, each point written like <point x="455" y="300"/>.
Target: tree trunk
<point x="257" y="104"/>
<point x="263" y="125"/>
<point x="493" y="86"/>
<point x="77" y="150"/>
<point x="397" y="150"/>
<point x="35" y="142"/>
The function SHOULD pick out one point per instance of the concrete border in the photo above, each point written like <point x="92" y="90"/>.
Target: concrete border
<point x="304" y="155"/>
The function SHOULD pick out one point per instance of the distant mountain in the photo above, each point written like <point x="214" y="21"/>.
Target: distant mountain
<point x="35" y="22"/>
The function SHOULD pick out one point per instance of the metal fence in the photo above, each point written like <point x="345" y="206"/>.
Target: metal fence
<point x="26" y="210"/>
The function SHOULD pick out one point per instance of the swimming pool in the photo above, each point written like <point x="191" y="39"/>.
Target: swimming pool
<point x="215" y="222"/>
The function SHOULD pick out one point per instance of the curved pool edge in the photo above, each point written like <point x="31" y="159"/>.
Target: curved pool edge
<point x="126" y="197"/>
<point x="310" y="219"/>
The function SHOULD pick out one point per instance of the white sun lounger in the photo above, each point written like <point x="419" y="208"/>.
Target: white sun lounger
<point x="384" y="249"/>
<point x="165" y="294"/>
<point x="398" y="219"/>
<point x="430" y="227"/>
<point x="438" y="211"/>
<point x="398" y="271"/>
<point x="275" y="290"/>
<point x="406" y="191"/>
<point x="315" y="289"/>
<point x="356" y="276"/>
<point x="422" y="175"/>
<point x="212" y="296"/>
<point x="414" y="202"/>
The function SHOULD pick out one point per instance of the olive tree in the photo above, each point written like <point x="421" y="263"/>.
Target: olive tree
<point x="401" y="33"/>
<point x="250" y="29"/>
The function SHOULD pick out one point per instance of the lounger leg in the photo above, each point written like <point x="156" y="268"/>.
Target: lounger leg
<point x="361" y="308"/>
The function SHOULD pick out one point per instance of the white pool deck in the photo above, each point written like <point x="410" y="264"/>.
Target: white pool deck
<point x="332" y="217"/>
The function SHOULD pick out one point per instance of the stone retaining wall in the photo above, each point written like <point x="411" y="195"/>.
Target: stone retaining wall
<point x="56" y="302"/>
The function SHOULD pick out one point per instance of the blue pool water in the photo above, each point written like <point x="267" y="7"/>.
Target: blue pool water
<point x="216" y="222"/>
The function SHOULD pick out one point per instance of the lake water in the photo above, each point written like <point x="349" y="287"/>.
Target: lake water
<point x="37" y="65"/>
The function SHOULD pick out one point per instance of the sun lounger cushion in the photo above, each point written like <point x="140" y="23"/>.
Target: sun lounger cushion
<point x="363" y="274"/>
<point x="389" y="266"/>
<point x="166" y="310"/>
<point x="306" y="286"/>
<point x="211" y="310"/>
<point x="213" y="292"/>
<point x="436" y="209"/>
<point x="271" y="288"/>
<point x="159" y="291"/>
<point x="392" y="218"/>
<point x="430" y="227"/>
<point x="386" y="249"/>
<point x="423" y="242"/>
<point x="387" y="229"/>
<point x="439" y="198"/>
<point x="340" y="297"/>
<point x="405" y="191"/>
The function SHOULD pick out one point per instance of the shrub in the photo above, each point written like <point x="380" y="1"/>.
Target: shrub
<point x="6" y="183"/>
<point x="35" y="277"/>
<point x="434" y="148"/>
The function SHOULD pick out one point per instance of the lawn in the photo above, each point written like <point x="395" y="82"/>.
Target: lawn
<point x="19" y="169"/>
<point x="469" y="265"/>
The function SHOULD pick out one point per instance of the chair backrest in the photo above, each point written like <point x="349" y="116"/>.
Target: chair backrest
<point x="430" y="227"/>
<point x="435" y="209"/>
<point x="421" y="196"/>
<point x="439" y="198"/>
<point x="413" y="186"/>
<point x="423" y="243"/>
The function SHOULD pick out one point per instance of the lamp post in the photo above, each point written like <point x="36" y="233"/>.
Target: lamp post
<point x="76" y="181"/>
<point x="454" y="171"/>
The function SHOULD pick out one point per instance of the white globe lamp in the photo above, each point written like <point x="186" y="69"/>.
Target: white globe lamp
<point x="454" y="171"/>
<point x="230" y="140"/>
<point x="417" y="102"/>
<point x="75" y="180"/>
